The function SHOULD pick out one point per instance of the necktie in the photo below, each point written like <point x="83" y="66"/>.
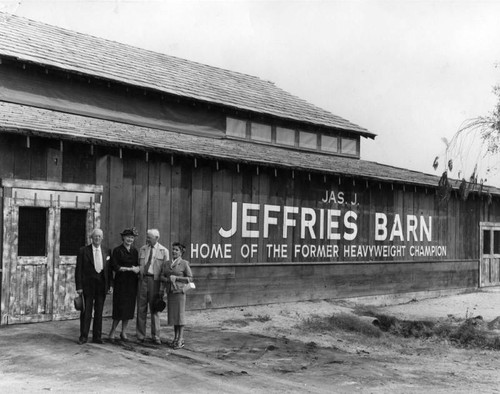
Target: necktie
<point x="97" y="260"/>
<point x="148" y="264"/>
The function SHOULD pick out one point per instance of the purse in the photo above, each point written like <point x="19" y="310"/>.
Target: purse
<point x="188" y="287"/>
<point x="181" y="287"/>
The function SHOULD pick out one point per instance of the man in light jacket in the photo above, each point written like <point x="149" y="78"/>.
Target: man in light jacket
<point x="152" y="257"/>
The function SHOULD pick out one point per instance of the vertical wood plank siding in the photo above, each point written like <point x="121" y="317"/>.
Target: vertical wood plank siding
<point x="190" y="204"/>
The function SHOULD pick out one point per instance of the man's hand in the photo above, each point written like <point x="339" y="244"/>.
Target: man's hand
<point x="80" y="291"/>
<point x="110" y="291"/>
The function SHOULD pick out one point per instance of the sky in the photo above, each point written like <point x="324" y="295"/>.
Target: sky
<point x="409" y="71"/>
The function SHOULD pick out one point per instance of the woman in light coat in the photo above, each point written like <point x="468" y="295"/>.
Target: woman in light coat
<point x="176" y="275"/>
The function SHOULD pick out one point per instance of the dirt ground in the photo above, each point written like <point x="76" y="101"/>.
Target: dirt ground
<point x="259" y="349"/>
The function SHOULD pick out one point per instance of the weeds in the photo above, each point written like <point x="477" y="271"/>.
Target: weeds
<point x="469" y="333"/>
<point x="343" y="321"/>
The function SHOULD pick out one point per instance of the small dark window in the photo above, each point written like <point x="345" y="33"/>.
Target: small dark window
<point x="486" y="242"/>
<point x="73" y="231"/>
<point x="32" y="232"/>
<point x="496" y="242"/>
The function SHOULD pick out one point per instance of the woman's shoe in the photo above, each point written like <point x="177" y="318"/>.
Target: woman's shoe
<point x="123" y="336"/>
<point x="174" y="343"/>
<point x="179" y="345"/>
<point x="111" y="337"/>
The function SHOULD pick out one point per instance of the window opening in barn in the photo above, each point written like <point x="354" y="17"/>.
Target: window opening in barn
<point x="260" y="132"/>
<point x="308" y="140"/>
<point x="32" y="232"/>
<point x="285" y="136"/>
<point x="329" y="143"/>
<point x="496" y="242"/>
<point x="73" y="231"/>
<point x="349" y="146"/>
<point x="236" y="128"/>
<point x="486" y="242"/>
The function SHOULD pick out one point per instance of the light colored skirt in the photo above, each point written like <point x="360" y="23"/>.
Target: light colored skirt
<point x="176" y="307"/>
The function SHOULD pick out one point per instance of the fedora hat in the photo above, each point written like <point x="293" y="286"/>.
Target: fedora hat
<point x="129" y="231"/>
<point x="159" y="305"/>
<point x="79" y="304"/>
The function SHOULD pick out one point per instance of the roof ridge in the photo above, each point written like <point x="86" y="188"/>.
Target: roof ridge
<point x="63" y="29"/>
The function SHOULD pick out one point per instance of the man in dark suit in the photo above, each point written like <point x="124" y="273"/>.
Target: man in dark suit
<point x="93" y="278"/>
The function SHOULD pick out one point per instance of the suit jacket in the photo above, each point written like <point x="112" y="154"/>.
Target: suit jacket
<point x="161" y="257"/>
<point x="85" y="273"/>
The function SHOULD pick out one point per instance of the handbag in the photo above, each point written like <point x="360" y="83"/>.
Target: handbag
<point x="188" y="287"/>
<point x="180" y="287"/>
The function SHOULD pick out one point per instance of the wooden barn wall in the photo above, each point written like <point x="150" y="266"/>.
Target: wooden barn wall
<point x="191" y="201"/>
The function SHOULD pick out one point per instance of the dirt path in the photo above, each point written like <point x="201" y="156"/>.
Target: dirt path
<point x="254" y="350"/>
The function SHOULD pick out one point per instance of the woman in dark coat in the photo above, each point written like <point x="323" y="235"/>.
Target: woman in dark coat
<point x="176" y="275"/>
<point x="125" y="264"/>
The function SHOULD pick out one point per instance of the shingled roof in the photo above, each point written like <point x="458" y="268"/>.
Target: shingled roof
<point x="20" y="119"/>
<point x="51" y="46"/>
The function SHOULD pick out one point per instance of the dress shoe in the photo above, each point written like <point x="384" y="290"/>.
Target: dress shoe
<point x="81" y="340"/>
<point x="157" y="341"/>
<point x="97" y="340"/>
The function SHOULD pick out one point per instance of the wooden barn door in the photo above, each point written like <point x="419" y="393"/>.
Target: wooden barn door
<point x="45" y="223"/>
<point x="489" y="267"/>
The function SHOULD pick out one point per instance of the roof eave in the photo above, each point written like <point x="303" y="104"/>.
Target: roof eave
<point x="208" y="101"/>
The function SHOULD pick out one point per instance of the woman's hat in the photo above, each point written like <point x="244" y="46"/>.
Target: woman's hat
<point x="129" y="231"/>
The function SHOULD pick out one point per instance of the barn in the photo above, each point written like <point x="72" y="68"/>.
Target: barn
<point x="268" y="191"/>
